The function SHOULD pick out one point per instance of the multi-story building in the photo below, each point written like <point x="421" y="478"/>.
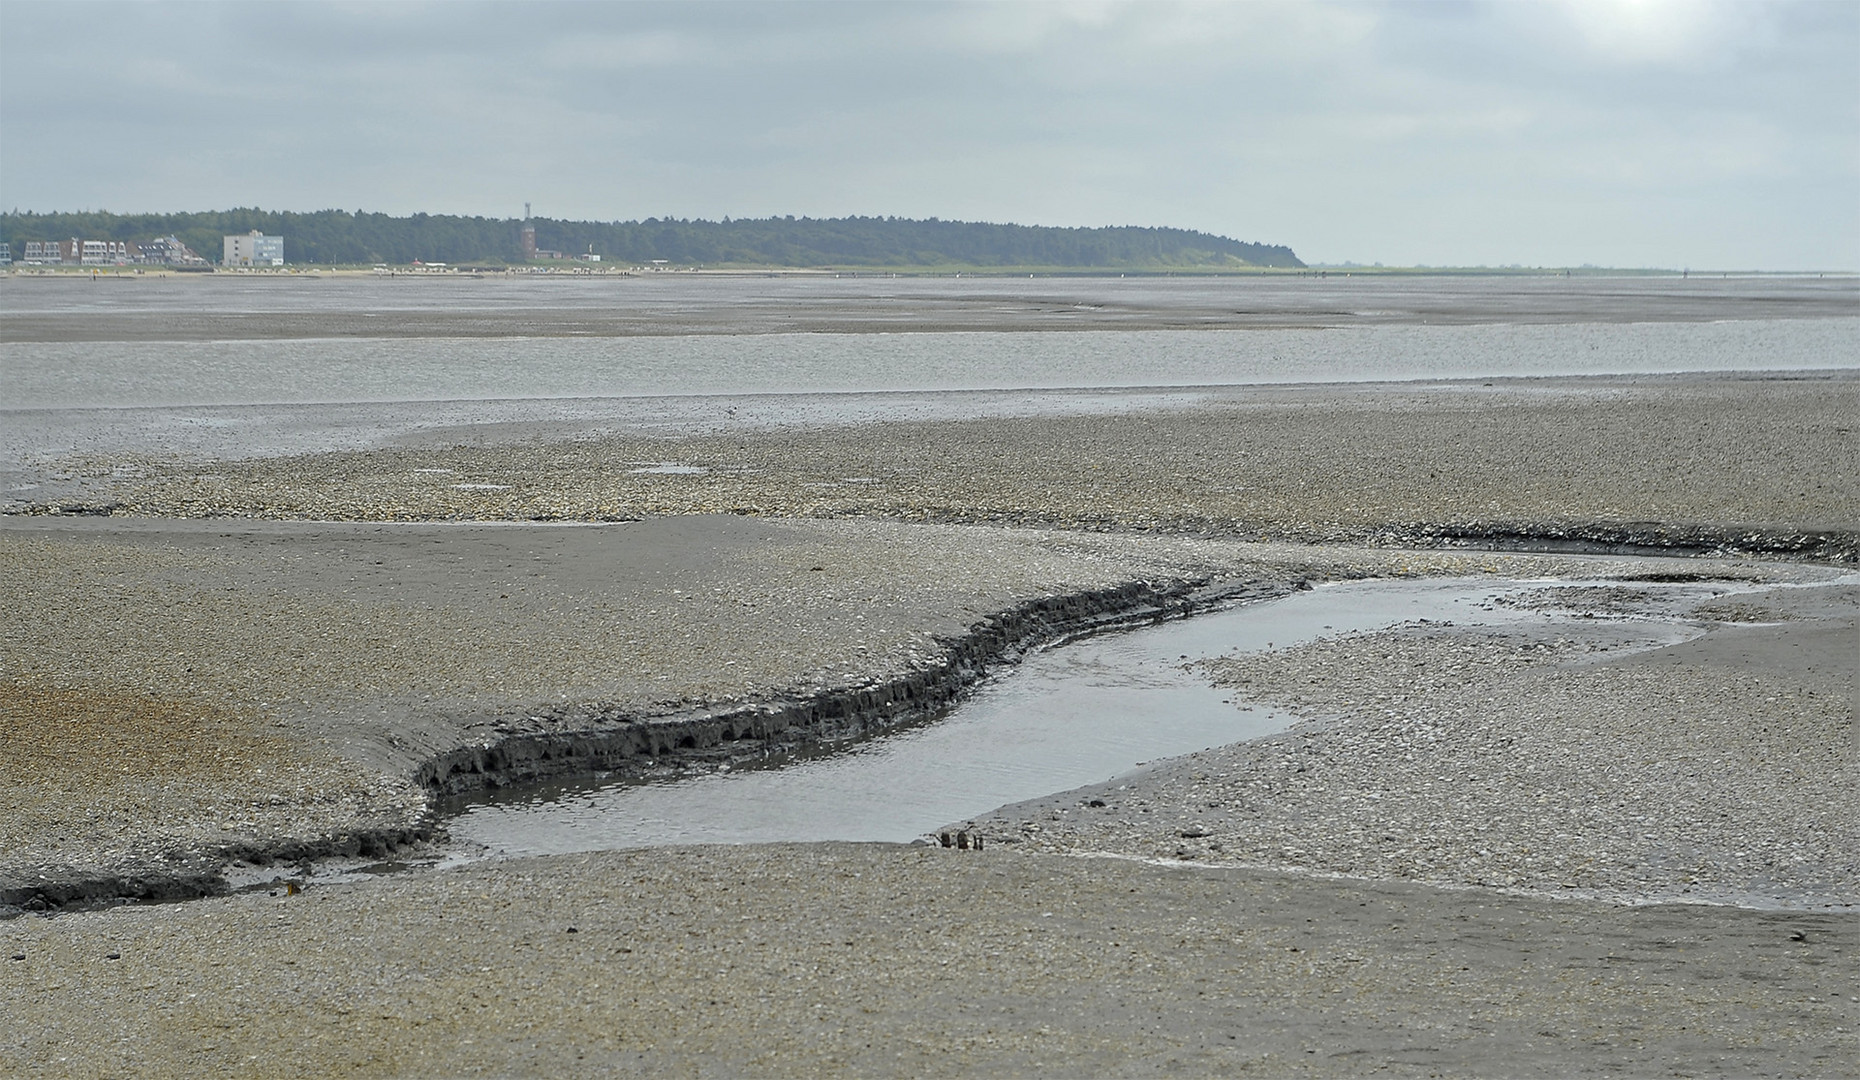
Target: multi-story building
<point x="46" y="252"/>
<point x="254" y="249"/>
<point x="103" y="253"/>
<point x="168" y="251"/>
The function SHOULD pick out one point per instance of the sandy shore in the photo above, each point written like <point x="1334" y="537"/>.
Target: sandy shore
<point x="155" y="664"/>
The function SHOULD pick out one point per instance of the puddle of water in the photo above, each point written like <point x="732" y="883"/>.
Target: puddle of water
<point x="1065" y="717"/>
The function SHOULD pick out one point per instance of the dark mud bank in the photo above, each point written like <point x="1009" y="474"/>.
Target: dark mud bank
<point x="1840" y="547"/>
<point x="189" y="875"/>
<point x="1836" y="546"/>
<point x="571" y="741"/>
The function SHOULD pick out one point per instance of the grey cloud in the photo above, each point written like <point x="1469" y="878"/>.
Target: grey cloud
<point x="1588" y="131"/>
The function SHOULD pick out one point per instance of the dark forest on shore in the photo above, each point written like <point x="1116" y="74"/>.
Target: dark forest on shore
<point x="341" y="237"/>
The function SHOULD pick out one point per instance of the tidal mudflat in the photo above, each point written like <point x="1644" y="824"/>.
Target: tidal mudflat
<point x="1278" y="931"/>
<point x="1473" y="854"/>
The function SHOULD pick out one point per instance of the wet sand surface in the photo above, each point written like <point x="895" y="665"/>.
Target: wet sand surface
<point x="155" y="664"/>
<point x="219" y="308"/>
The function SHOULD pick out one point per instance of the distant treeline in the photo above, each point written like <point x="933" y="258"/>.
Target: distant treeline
<point x="341" y="237"/>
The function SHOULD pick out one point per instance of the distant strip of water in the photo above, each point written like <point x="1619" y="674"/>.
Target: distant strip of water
<point x="116" y="374"/>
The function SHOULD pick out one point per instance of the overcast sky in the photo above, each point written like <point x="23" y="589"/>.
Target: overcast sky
<point x="1615" y="132"/>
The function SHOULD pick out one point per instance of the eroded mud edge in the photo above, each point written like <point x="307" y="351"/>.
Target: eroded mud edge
<point x="1829" y="546"/>
<point x="584" y="740"/>
<point x="589" y="740"/>
<point x="1838" y="547"/>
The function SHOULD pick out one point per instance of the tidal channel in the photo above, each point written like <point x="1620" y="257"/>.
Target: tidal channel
<point x="1066" y="716"/>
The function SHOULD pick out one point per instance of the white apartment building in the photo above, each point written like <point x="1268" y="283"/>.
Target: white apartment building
<point x="167" y="251"/>
<point x="254" y="249"/>
<point x="104" y="253"/>
<point x="80" y="252"/>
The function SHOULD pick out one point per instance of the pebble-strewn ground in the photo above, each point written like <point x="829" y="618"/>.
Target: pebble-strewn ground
<point x="1721" y="769"/>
